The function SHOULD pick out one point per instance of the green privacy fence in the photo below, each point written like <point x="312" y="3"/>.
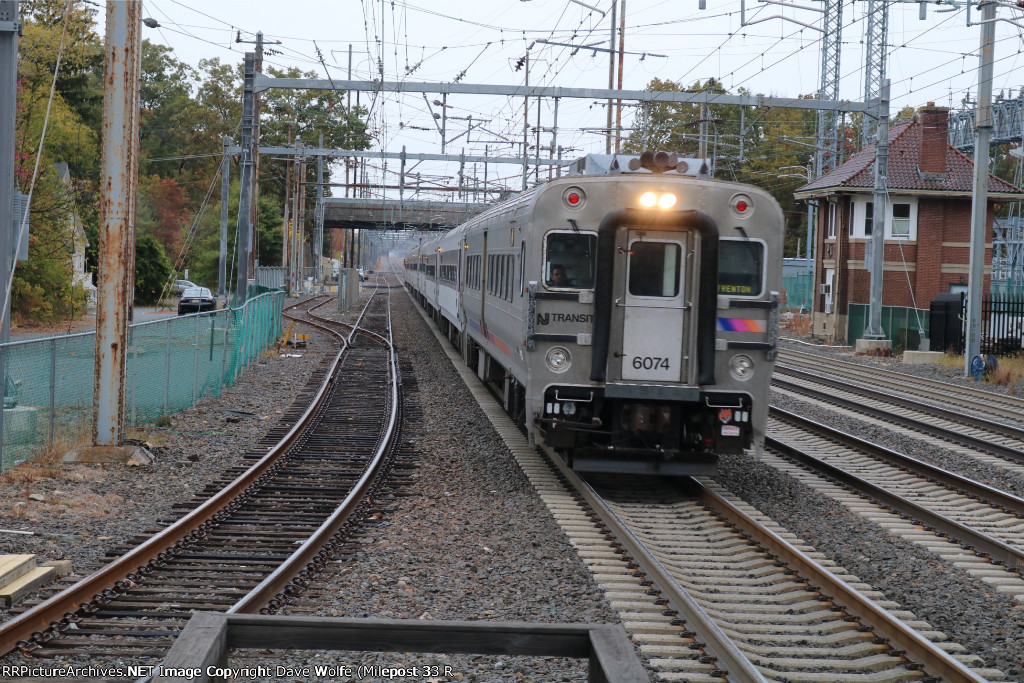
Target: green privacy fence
<point x="902" y="325"/>
<point x="170" y="364"/>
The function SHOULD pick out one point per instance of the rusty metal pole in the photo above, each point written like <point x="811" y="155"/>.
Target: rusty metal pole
<point x="118" y="192"/>
<point x="9" y="30"/>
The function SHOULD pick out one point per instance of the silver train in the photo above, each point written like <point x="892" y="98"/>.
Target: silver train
<point x="628" y="321"/>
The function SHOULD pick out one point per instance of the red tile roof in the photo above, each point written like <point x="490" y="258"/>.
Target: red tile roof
<point x="904" y="143"/>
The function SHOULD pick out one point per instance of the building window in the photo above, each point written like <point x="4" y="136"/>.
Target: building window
<point x="831" y="221"/>
<point x="901" y="220"/>
<point x="869" y="217"/>
<point x="850" y="221"/>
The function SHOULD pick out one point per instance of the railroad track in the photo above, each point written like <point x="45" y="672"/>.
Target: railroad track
<point x="710" y="590"/>
<point x="967" y="399"/>
<point x="936" y="508"/>
<point x="251" y="540"/>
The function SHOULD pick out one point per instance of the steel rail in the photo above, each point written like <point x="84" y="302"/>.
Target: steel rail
<point x="981" y="543"/>
<point x="108" y="580"/>
<point x="926" y="408"/>
<point x="1011" y="406"/>
<point x="853" y="601"/>
<point x="276" y="582"/>
<point x="1009" y="502"/>
<point x="922" y="427"/>
<point x="717" y="644"/>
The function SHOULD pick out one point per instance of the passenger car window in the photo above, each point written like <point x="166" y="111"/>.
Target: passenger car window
<point x="569" y="260"/>
<point x="740" y="267"/>
<point x="654" y="269"/>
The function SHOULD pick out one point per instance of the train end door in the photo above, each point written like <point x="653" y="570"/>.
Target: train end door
<point x="654" y="307"/>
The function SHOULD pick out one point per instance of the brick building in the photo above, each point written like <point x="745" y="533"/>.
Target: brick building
<point x="927" y="223"/>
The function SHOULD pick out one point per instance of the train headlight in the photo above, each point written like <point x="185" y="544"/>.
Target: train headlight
<point x="741" y="367"/>
<point x="558" y="359"/>
<point x="667" y="200"/>
<point x="648" y="200"/>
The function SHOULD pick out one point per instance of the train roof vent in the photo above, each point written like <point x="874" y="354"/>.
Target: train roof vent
<point x="610" y="164"/>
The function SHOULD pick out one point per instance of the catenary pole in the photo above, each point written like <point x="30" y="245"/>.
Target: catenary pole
<point x="9" y="29"/>
<point x="979" y="207"/>
<point x="245" y="182"/>
<point x="877" y="245"/>
<point x="118" y="195"/>
<point x="611" y="80"/>
<point x="318" y="216"/>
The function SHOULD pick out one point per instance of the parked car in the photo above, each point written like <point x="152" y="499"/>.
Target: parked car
<point x="196" y="300"/>
<point x="181" y="285"/>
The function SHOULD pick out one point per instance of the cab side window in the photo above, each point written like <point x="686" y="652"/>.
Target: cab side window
<point x="569" y="260"/>
<point x="741" y="267"/>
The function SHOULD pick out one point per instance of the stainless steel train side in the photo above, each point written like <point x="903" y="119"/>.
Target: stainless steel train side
<point x="627" y="321"/>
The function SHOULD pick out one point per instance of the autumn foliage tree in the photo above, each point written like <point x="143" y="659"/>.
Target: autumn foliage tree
<point x="185" y="113"/>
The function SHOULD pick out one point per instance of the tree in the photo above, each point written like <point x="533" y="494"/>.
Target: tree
<point x="151" y="269"/>
<point x="764" y="146"/>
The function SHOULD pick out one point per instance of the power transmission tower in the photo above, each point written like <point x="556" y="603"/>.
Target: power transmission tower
<point x="874" y="62"/>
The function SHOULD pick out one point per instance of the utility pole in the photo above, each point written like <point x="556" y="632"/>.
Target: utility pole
<point x="526" y="119"/>
<point x="622" y="54"/>
<point x="347" y="161"/>
<point x="225" y="186"/>
<point x="122" y="67"/>
<point x="611" y="79"/>
<point x="979" y="207"/>
<point x="877" y="246"/>
<point x="245" y="181"/>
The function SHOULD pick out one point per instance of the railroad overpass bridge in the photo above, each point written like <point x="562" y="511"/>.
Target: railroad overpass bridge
<point x="348" y="213"/>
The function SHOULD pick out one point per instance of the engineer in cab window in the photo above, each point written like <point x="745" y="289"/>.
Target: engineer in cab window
<point x="558" y="278"/>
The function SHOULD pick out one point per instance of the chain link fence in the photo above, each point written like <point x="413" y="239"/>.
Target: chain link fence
<point x="903" y="325"/>
<point x="171" y="363"/>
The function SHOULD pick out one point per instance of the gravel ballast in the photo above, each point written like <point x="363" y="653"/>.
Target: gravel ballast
<point x="969" y="611"/>
<point x="467" y="539"/>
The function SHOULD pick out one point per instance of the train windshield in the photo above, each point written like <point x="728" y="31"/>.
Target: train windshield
<point x="569" y="260"/>
<point x="741" y="267"/>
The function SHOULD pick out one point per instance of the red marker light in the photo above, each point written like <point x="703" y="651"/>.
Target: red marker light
<point x="573" y="198"/>
<point x="741" y="206"/>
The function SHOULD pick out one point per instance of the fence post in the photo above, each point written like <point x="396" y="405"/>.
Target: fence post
<point x="135" y="375"/>
<point x="240" y="351"/>
<point x="53" y="385"/>
<point x="195" y="363"/>
<point x="167" y="372"/>
<point x="228" y="317"/>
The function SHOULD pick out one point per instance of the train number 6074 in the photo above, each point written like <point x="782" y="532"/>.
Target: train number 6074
<point x="650" y="363"/>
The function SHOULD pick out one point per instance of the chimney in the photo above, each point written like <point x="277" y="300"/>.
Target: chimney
<point x="931" y="158"/>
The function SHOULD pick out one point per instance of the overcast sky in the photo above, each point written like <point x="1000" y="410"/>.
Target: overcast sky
<point x="934" y="59"/>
